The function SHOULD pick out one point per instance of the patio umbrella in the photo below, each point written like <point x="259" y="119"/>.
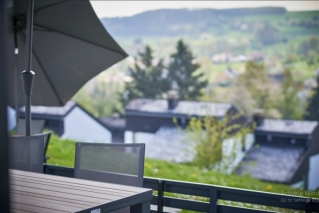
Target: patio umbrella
<point x="69" y="47"/>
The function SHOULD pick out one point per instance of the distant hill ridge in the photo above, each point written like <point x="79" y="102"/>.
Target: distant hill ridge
<point x="171" y="22"/>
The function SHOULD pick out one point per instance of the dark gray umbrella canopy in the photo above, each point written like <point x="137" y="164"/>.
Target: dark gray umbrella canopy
<point x="70" y="46"/>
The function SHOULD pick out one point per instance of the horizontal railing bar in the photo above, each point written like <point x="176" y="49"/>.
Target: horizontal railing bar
<point x="203" y="190"/>
<point x="280" y="201"/>
<point x="187" y="189"/>
<point x="186" y="204"/>
<point x="232" y="209"/>
<point x="151" y="183"/>
<point x="239" y="195"/>
<point x="154" y="200"/>
<point x="59" y="170"/>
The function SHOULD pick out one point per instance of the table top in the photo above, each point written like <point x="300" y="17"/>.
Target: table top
<point x="41" y="193"/>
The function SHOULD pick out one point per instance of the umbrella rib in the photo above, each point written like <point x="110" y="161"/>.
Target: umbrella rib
<point x="116" y="51"/>
<point x="35" y="10"/>
<point x="51" y="5"/>
<point x="46" y="75"/>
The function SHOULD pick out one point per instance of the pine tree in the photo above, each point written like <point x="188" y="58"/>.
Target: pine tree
<point x="182" y="71"/>
<point x="312" y="112"/>
<point x="149" y="80"/>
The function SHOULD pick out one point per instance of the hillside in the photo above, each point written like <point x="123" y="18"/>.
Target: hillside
<point x="270" y="30"/>
<point x="219" y="22"/>
<point x="219" y="40"/>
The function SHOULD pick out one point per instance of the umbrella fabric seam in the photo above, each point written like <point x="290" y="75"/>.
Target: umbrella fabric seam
<point x="21" y="15"/>
<point x="123" y="53"/>
<point x="51" y="5"/>
<point x="46" y="75"/>
<point x="116" y="51"/>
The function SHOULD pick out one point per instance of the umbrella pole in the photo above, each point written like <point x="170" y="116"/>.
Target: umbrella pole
<point x="27" y="74"/>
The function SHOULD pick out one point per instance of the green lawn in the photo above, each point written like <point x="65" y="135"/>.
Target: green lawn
<point x="62" y="153"/>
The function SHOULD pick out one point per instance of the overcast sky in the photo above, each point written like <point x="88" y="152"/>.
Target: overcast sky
<point x="129" y="8"/>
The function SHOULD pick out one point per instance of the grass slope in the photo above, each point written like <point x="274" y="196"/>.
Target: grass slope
<point x="62" y="153"/>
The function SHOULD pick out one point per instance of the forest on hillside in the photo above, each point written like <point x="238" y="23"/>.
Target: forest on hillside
<point x="278" y="48"/>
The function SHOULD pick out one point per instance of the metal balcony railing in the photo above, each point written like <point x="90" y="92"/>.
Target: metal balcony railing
<point x="212" y="193"/>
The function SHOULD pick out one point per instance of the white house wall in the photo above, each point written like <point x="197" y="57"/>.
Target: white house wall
<point x="140" y="137"/>
<point x="11" y="117"/>
<point x="81" y="127"/>
<point x="313" y="176"/>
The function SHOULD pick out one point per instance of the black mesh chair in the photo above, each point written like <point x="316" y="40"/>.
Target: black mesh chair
<point x="112" y="163"/>
<point x="37" y="126"/>
<point x="26" y="152"/>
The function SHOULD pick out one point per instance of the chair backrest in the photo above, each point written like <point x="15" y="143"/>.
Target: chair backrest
<point x="47" y="136"/>
<point x="37" y="126"/>
<point x="26" y="153"/>
<point x="113" y="163"/>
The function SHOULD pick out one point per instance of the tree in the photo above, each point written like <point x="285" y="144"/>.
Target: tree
<point x="148" y="78"/>
<point x="82" y="97"/>
<point x="241" y="98"/>
<point x="290" y="105"/>
<point x="312" y="111"/>
<point x="255" y="81"/>
<point x="208" y="134"/>
<point x="308" y="45"/>
<point x="268" y="35"/>
<point x="182" y="70"/>
<point x="102" y="100"/>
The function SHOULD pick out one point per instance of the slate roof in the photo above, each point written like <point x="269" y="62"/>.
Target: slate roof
<point x="59" y="111"/>
<point x="272" y="163"/>
<point x="287" y="126"/>
<point x="170" y="144"/>
<point x="160" y="106"/>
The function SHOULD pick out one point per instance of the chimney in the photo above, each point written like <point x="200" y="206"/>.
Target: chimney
<point x="172" y="99"/>
<point x="258" y="117"/>
<point x="173" y="96"/>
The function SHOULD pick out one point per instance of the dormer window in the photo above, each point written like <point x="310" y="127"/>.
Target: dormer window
<point x="269" y="138"/>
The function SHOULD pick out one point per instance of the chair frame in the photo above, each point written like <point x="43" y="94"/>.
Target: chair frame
<point x="141" y="156"/>
<point x="46" y="145"/>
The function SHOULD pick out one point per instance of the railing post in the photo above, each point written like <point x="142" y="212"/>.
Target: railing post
<point x="308" y="205"/>
<point x="213" y="200"/>
<point x="160" y="196"/>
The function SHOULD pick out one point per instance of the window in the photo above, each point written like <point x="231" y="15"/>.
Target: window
<point x="293" y="141"/>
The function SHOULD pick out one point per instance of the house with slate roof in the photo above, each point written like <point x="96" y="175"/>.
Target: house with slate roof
<point x="281" y="151"/>
<point x="116" y="126"/>
<point x="150" y="121"/>
<point x="71" y="121"/>
<point x="11" y="118"/>
<point x="148" y="115"/>
<point x="285" y="151"/>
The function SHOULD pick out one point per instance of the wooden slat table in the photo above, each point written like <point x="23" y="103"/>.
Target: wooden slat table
<point x="41" y="193"/>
